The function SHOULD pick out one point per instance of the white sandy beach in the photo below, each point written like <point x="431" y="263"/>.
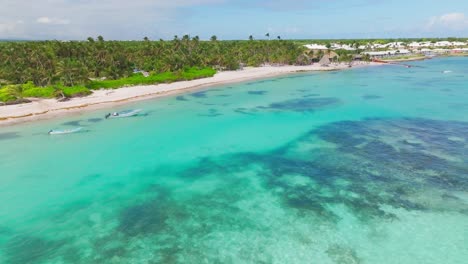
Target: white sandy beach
<point x="48" y="108"/>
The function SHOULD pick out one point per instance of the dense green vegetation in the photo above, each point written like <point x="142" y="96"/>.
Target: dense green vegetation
<point x="15" y="92"/>
<point x="66" y="69"/>
<point x="165" y="77"/>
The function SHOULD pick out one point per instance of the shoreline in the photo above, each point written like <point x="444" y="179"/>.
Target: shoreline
<point x="40" y="109"/>
<point x="409" y="59"/>
<point x="421" y="58"/>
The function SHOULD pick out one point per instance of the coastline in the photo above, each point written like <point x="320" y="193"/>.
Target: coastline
<point x="40" y="109"/>
<point x="421" y="58"/>
<point x="409" y="59"/>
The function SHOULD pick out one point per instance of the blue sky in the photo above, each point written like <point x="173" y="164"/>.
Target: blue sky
<point x="232" y="19"/>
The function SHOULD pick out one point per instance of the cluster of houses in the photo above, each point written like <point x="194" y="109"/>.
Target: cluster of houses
<point x="394" y="49"/>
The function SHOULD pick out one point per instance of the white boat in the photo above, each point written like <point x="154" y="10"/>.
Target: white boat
<point x="127" y="113"/>
<point x="64" y="131"/>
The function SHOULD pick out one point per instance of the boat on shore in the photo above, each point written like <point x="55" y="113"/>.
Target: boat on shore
<point x="64" y="131"/>
<point x="126" y="113"/>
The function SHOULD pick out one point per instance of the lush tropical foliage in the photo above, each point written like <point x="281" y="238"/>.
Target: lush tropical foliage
<point x="65" y="69"/>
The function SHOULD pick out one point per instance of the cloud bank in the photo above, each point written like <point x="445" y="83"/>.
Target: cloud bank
<point x="452" y="22"/>
<point x="78" y="19"/>
<point x="53" y="21"/>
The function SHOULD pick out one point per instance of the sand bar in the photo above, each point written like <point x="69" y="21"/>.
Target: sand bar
<point x="49" y="108"/>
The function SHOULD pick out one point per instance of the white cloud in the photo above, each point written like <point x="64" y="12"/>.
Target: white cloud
<point x="52" y="21"/>
<point x="7" y="27"/>
<point x="43" y="20"/>
<point x="450" y="21"/>
<point x="11" y="28"/>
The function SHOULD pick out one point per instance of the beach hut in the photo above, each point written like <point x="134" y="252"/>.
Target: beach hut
<point x="325" y="61"/>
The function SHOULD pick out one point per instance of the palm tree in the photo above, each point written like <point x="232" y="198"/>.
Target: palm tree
<point x="72" y="63"/>
<point x="71" y="72"/>
<point x="328" y="46"/>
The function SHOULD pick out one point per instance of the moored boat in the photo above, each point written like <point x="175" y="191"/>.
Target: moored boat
<point x="126" y="113"/>
<point x="64" y="131"/>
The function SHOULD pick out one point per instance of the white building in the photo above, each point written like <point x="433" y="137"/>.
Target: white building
<point x="336" y="46"/>
<point x="316" y="47"/>
<point x="458" y="43"/>
<point x="443" y="44"/>
<point x="416" y="45"/>
<point x="441" y="51"/>
<point x="460" y="50"/>
<point x="395" y="45"/>
<point x="387" y="53"/>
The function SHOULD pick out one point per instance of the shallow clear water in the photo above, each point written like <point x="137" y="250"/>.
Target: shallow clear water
<point x="361" y="166"/>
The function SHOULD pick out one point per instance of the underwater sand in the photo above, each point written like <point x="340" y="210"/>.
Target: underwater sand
<point x="361" y="166"/>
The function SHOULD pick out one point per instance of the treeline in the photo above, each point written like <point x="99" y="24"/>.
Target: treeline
<point x="77" y="63"/>
<point x="61" y="69"/>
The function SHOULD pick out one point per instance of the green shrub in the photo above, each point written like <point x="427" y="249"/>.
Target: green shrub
<point x="196" y="73"/>
<point x="30" y="90"/>
<point x="28" y="85"/>
<point x="165" y="77"/>
<point x="75" y="91"/>
<point x="6" y="95"/>
<point x="14" y="92"/>
<point x="39" y="92"/>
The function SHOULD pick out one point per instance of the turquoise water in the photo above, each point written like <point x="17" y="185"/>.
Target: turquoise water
<point x="362" y="166"/>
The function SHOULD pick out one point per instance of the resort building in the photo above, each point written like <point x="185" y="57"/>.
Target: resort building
<point x="387" y="53"/>
<point x="416" y="45"/>
<point x="392" y="49"/>
<point x="316" y="47"/>
<point x="337" y="46"/>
